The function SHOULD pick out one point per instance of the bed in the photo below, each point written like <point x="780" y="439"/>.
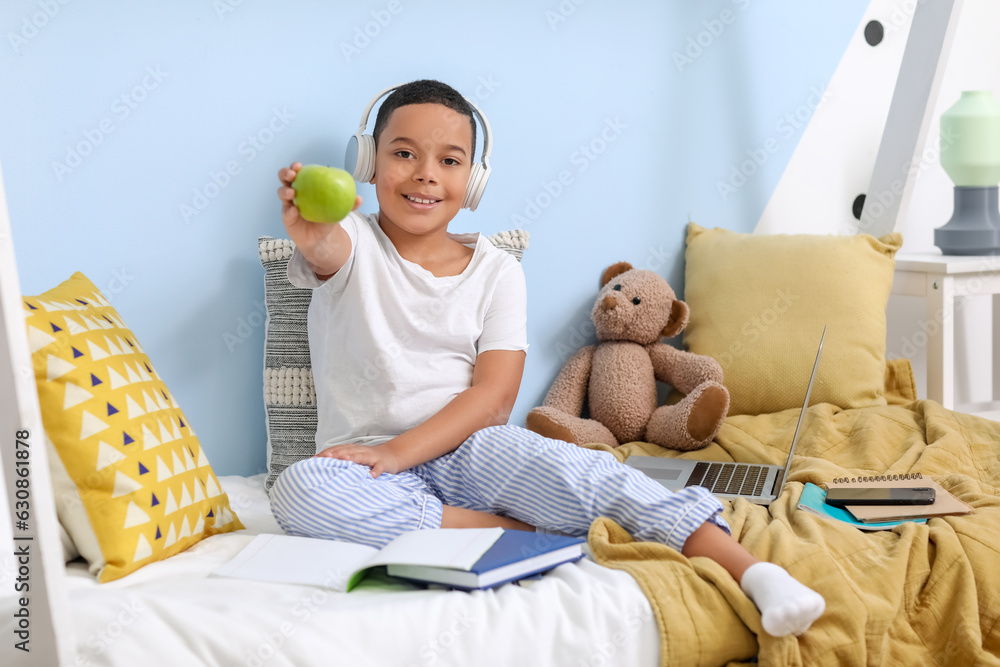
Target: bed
<point x="918" y="594"/>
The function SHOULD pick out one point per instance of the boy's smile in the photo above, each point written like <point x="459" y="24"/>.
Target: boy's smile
<point x="422" y="166"/>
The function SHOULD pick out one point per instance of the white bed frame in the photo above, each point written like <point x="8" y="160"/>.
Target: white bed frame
<point x="36" y="580"/>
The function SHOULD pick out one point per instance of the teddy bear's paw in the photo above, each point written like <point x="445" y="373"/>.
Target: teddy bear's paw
<point x="708" y="412"/>
<point x="555" y="424"/>
<point x="692" y="423"/>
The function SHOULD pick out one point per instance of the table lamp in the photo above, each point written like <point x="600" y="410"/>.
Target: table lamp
<point x="970" y="155"/>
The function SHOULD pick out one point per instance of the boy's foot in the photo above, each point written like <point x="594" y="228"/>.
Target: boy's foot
<point x="786" y="606"/>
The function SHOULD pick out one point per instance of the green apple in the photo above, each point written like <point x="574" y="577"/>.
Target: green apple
<point x="324" y="194"/>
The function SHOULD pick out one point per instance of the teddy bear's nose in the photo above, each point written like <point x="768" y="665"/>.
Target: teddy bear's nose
<point x="608" y="302"/>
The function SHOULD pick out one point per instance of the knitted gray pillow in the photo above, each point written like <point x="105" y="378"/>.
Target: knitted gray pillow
<point x="289" y="394"/>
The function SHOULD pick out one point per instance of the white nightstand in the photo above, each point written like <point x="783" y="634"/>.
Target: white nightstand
<point x="940" y="279"/>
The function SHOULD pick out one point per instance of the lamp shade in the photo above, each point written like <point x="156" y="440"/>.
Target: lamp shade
<point x="970" y="140"/>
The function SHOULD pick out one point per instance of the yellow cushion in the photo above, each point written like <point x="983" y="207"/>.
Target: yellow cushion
<point x="132" y="483"/>
<point x="759" y="303"/>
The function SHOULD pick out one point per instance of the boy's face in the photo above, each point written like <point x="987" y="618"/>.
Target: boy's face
<point x="422" y="167"/>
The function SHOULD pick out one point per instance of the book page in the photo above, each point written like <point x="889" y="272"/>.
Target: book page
<point x="457" y="548"/>
<point x="298" y="560"/>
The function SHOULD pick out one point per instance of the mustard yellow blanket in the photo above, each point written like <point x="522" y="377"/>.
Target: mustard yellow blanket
<point x="917" y="595"/>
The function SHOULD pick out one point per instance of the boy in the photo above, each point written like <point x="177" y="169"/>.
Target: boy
<point x="418" y="343"/>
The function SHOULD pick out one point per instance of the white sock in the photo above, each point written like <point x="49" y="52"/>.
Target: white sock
<point x="786" y="606"/>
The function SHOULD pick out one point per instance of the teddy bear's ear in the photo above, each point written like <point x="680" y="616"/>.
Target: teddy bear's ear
<point x="679" y="312"/>
<point x="614" y="270"/>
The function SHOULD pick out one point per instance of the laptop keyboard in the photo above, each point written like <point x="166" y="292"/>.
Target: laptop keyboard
<point x="735" y="478"/>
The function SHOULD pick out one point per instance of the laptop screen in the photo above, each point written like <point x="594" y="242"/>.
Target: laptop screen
<point x="779" y="483"/>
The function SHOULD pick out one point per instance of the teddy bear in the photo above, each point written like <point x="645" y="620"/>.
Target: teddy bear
<point x="617" y="377"/>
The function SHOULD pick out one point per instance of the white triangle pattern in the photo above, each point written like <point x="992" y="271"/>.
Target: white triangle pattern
<point x="75" y="395"/>
<point x="37" y="339"/>
<point x="163" y="471"/>
<point x="134" y="409"/>
<point x="142" y="549"/>
<point x="132" y="377"/>
<point x="185" y="497"/>
<point x="117" y="381"/>
<point x="56" y="367"/>
<point x="73" y="326"/>
<point x="148" y="439"/>
<point x="171" y="536"/>
<point x="171" y="505"/>
<point x="90" y="425"/>
<point x="188" y="461"/>
<point x="96" y="352"/>
<point x="134" y="516"/>
<point x="151" y="405"/>
<point x="107" y="455"/>
<point x="124" y="485"/>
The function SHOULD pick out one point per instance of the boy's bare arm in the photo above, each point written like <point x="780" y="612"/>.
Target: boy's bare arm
<point x="488" y="402"/>
<point x="325" y="247"/>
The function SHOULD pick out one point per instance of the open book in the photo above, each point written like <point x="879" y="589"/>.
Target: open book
<point x="944" y="502"/>
<point x="458" y="557"/>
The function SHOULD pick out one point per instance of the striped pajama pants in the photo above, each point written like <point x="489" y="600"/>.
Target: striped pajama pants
<point x="553" y="485"/>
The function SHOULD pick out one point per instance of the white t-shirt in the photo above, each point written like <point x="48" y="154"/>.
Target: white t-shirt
<point x="391" y="344"/>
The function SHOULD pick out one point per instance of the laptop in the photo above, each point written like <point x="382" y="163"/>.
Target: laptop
<point x="757" y="482"/>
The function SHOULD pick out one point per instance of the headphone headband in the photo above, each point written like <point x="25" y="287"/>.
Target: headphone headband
<point x="359" y="158"/>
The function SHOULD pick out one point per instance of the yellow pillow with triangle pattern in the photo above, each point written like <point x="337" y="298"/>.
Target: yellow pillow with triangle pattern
<point x="132" y="483"/>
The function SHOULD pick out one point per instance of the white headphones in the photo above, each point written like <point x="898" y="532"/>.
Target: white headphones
<point x="359" y="159"/>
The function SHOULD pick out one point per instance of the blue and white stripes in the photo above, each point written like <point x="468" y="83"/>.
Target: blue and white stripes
<point x="505" y="470"/>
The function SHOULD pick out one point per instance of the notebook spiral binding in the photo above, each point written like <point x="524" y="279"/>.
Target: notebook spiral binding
<point x="879" y="478"/>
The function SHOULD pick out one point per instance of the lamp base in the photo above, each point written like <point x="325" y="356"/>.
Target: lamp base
<point x="974" y="228"/>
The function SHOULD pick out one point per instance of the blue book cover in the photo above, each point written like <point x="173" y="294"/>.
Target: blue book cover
<point x="813" y="499"/>
<point x="516" y="554"/>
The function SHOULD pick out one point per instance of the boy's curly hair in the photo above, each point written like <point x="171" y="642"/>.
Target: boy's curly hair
<point x="424" y="91"/>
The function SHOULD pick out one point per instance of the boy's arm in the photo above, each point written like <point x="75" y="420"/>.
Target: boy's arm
<point x="325" y="247"/>
<point x="496" y="379"/>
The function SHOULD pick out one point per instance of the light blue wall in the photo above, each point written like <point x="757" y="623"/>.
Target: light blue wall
<point x="169" y="93"/>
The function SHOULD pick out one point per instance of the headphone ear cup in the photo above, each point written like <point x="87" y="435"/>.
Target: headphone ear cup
<point x="477" y="183"/>
<point x="359" y="158"/>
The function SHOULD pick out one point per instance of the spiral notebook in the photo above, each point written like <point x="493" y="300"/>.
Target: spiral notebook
<point x="944" y="502"/>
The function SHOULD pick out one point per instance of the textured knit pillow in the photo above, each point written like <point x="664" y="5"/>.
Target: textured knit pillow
<point x="759" y="304"/>
<point x="289" y="394"/>
<point x="132" y="483"/>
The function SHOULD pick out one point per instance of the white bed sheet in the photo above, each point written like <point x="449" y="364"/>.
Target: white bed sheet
<point x="173" y="613"/>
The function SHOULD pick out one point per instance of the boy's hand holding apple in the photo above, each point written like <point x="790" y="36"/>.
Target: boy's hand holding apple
<point x="323" y="193"/>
